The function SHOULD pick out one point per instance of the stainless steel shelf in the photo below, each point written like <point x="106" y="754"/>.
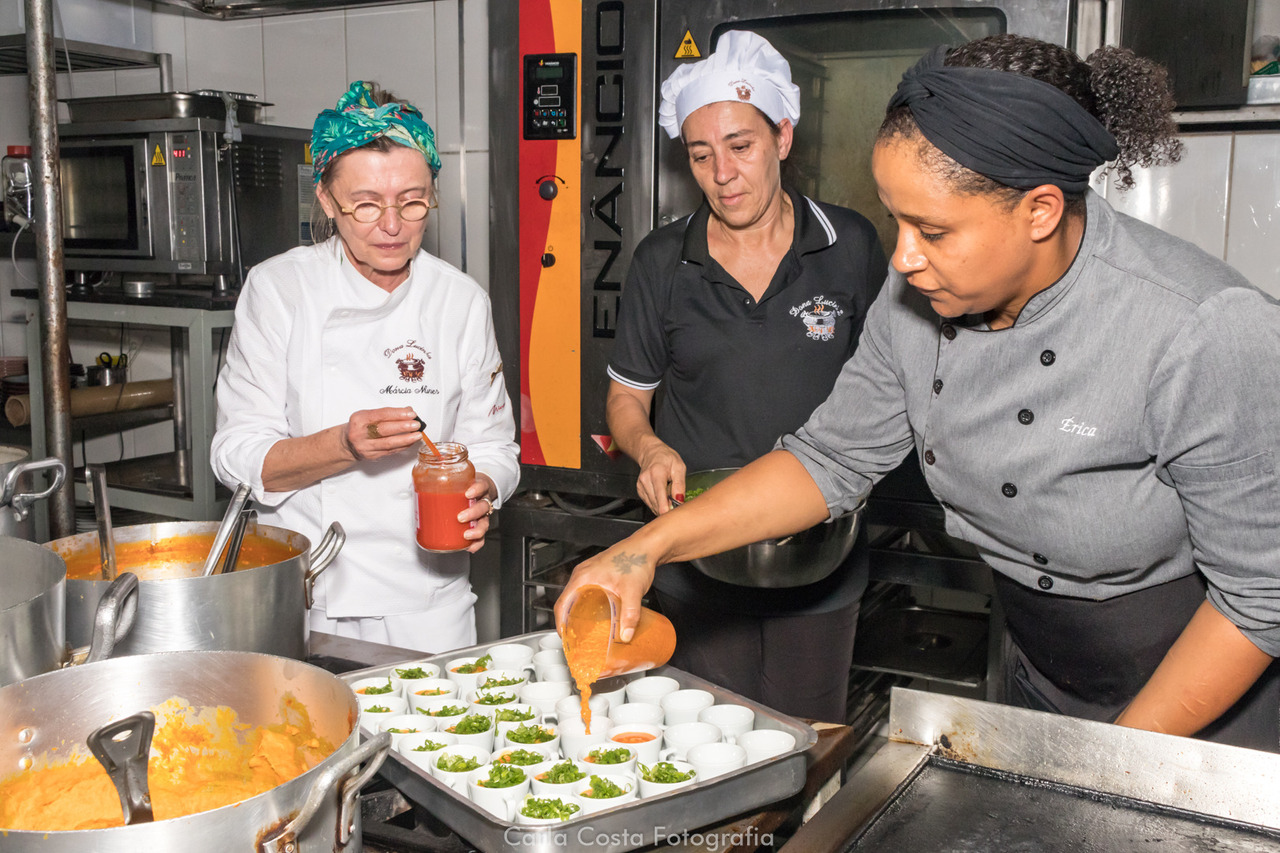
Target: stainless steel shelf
<point x="84" y="56"/>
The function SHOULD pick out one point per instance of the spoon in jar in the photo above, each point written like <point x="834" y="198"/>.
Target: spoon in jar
<point x="422" y="431"/>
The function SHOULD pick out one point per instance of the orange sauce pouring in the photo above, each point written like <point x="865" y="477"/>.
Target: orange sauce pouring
<point x="586" y="643"/>
<point x="200" y="760"/>
<point x="592" y="653"/>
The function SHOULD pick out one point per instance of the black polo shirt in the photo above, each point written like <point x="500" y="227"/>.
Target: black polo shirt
<point x="737" y="373"/>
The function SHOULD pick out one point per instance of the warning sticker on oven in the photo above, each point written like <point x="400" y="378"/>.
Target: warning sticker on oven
<point x="157" y="159"/>
<point x="688" y="48"/>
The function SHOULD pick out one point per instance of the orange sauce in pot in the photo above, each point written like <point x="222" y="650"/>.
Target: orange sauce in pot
<point x="200" y="760"/>
<point x="175" y="557"/>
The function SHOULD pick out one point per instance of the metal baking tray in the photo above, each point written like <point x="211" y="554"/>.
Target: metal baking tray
<point x="961" y="774"/>
<point x="640" y="823"/>
<point x="163" y="105"/>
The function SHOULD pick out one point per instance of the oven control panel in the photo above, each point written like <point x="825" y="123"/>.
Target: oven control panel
<point x="186" y="198"/>
<point x="550" y="96"/>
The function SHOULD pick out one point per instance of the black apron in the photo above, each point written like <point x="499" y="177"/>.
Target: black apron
<point x="1088" y="659"/>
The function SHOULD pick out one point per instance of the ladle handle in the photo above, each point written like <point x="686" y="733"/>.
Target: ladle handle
<point x="238" y="500"/>
<point x="95" y="477"/>
<point x="123" y="748"/>
<point x="228" y="564"/>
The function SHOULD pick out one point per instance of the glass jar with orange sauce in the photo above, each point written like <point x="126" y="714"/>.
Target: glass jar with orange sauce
<point x="440" y="483"/>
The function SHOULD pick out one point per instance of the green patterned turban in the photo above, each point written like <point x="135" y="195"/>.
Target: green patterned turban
<point x="357" y="120"/>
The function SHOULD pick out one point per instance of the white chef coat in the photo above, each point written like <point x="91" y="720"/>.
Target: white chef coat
<point x="315" y="341"/>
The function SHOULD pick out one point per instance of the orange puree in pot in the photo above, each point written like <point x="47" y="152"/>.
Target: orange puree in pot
<point x="200" y="760"/>
<point x="174" y="557"/>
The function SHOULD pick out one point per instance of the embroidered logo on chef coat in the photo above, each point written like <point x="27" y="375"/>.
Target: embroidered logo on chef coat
<point x="819" y="317"/>
<point x="743" y="90"/>
<point x="410" y="359"/>
<point x="1076" y="427"/>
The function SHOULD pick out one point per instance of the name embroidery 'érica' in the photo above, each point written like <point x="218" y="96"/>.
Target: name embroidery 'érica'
<point x="1075" y="427"/>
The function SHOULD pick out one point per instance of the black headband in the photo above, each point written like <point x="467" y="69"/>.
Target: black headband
<point x="1016" y="130"/>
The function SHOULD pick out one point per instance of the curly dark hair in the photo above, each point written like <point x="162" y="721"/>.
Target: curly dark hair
<point x="1130" y="95"/>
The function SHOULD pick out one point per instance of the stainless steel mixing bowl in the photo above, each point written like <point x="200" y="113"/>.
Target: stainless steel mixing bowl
<point x="802" y="558"/>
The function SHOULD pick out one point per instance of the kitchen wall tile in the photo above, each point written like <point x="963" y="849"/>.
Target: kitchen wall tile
<point x="86" y="84"/>
<point x="121" y="23"/>
<point x="475" y="59"/>
<point x="477" y="180"/>
<point x="1253" y="220"/>
<point x="449" y="90"/>
<point x="137" y="81"/>
<point x="1189" y="198"/>
<point x="169" y="26"/>
<point x="395" y="46"/>
<point x="304" y="62"/>
<point x="449" y="216"/>
<point x="15" y="112"/>
<point x="226" y="55"/>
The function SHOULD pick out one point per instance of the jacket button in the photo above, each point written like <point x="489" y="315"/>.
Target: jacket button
<point x="1041" y="559"/>
<point x="929" y="457"/>
<point x="1045" y="582"/>
<point x="949" y="331"/>
<point x="1009" y="490"/>
<point x="1026" y="416"/>
<point x="1047" y="357"/>
<point x="937" y="386"/>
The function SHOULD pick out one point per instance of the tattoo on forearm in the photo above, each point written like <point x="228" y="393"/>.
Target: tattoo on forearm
<point x="624" y="562"/>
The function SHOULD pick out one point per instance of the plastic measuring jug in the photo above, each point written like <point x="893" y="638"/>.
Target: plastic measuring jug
<point x="591" y="642"/>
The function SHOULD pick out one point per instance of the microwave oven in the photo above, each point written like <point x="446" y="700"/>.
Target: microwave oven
<point x="174" y="197"/>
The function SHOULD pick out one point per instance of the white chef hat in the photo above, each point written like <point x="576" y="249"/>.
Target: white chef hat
<point x="744" y="68"/>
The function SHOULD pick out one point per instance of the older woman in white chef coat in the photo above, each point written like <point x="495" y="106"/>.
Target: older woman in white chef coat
<point x="336" y="350"/>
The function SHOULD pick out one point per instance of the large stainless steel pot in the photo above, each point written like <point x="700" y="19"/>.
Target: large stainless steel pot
<point x="33" y="612"/>
<point x="16" y="496"/>
<point x="32" y="609"/>
<point x="253" y="609"/>
<point x="316" y="811"/>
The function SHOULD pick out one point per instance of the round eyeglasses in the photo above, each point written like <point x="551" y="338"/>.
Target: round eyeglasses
<point x="366" y="212"/>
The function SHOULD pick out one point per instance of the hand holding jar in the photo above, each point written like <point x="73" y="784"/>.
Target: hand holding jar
<point x="452" y="501"/>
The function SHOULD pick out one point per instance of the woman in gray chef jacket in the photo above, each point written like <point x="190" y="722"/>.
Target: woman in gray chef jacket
<point x="744" y="313"/>
<point x="1094" y="401"/>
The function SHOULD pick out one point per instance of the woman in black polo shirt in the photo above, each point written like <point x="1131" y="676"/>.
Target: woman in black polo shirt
<point x="744" y="312"/>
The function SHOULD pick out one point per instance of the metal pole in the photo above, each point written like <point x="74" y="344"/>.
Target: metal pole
<point x="54" y="352"/>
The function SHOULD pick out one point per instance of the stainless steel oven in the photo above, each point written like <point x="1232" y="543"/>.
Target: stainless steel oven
<point x="581" y="171"/>
<point x="166" y="184"/>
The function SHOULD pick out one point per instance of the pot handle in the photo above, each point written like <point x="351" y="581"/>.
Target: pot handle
<point x="372" y="751"/>
<point x="114" y="616"/>
<point x="324" y="554"/>
<point x="22" y="501"/>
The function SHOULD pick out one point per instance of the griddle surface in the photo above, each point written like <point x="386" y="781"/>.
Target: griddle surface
<point x="952" y="807"/>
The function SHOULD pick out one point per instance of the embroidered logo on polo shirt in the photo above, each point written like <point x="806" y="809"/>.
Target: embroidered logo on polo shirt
<point x="819" y="317"/>
<point x="1076" y="427"/>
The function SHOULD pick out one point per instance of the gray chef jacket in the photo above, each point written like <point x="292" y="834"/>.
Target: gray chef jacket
<point x="1121" y="434"/>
